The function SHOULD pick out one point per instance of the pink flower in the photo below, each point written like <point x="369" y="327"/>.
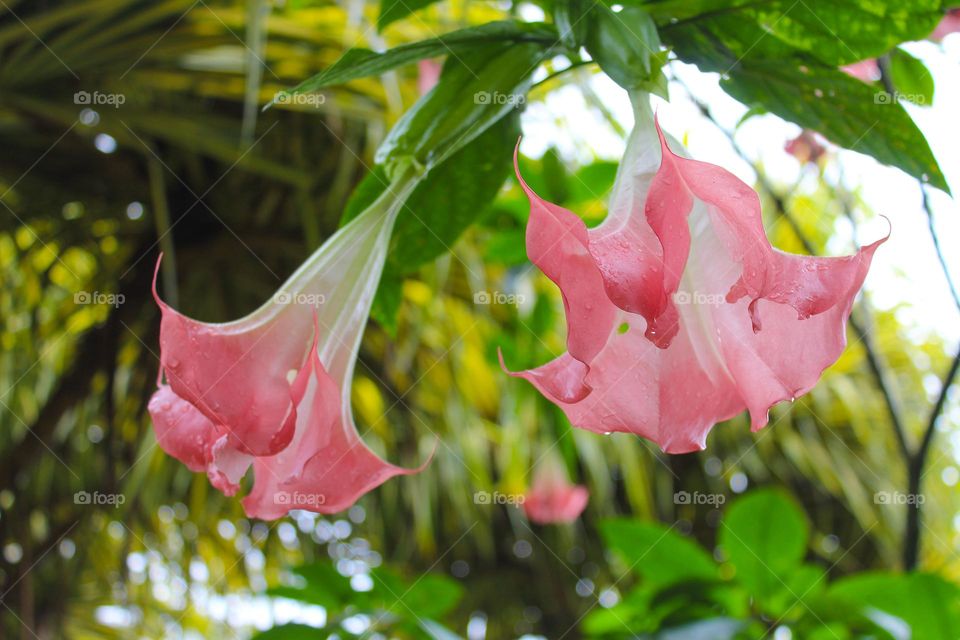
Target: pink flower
<point x="866" y="70"/>
<point x="272" y="390"/>
<point x="428" y="75"/>
<point x="552" y="499"/>
<point x="679" y="312"/>
<point x="949" y="24"/>
<point x="806" y="147"/>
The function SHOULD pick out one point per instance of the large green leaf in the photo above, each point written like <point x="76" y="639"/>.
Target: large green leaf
<point x="292" y="631"/>
<point x="782" y="57"/>
<point x="848" y="112"/>
<point x="911" y="78"/>
<point x="393" y="10"/>
<point x="926" y="602"/>
<point x="764" y="535"/>
<point x="361" y="63"/>
<point x="657" y="553"/>
<point x="835" y="32"/>
<point x="475" y="91"/>
<point x="446" y="202"/>
<point x="626" y="46"/>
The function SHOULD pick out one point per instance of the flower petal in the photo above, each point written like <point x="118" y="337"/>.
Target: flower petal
<point x="557" y="242"/>
<point x="327" y="467"/>
<point x="187" y="435"/>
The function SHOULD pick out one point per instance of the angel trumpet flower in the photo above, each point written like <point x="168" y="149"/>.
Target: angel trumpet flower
<point x="272" y="390"/>
<point x="552" y="498"/>
<point x="679" y="312"/>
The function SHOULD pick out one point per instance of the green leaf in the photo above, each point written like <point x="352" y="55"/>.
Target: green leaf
<point x="782" y="57"/>
<point x="926" y="602"/>
<point x="835" y="32"/>
<point x="507" y="247"/>
<point x="393" y="10"/>
<point x="361" y="63"/>
<point x="433" y="596"/>
<point x="446" y="202"/>
<point x="846" y="111"/>
<point x="626" y="46"/>
<point x="656" y="553"/>
<point x="764" y="535"/>
<point x="474" y="92"/>
<point x="451" y="198"/>
<point x="324" y="586"/>
<point x="387" y="301"/>
<point x="911" y="78"/>
<point x="292" y="632"/>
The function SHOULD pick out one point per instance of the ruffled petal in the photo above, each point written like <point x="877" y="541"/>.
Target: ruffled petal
<point x="557" y="242"/>
<point x="187" y="435"/>
<point x="327" y="467"/>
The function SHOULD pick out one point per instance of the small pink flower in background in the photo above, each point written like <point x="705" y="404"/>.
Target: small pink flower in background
<point x="272" y="390"/>
<point x="806" y="147"/>
<point x="679" y="312"/>
<point x="428" y="75"/>
<point x="866" y="70"/>
<point x="949" y="24"/>
<point x="869" y="70"/>
<point x="552" y="499"/>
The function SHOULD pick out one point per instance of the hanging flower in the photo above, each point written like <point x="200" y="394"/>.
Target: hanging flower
<point x="272" y="390"/>
<point x="679" y="312"/>
<point x="552" y="498"/>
